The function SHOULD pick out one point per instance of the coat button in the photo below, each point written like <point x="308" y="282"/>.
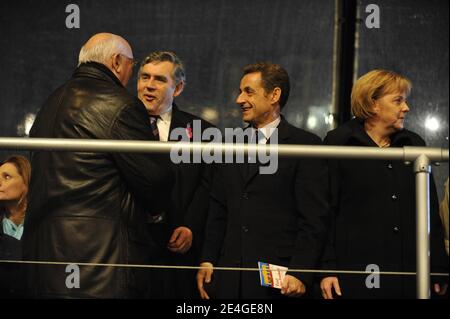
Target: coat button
<point x="396" y="229"/>
<point x="245" y="195"/>
<point x="389" y="166"/>
<point x="394" y="197"/>
<point x="244" y="229"/>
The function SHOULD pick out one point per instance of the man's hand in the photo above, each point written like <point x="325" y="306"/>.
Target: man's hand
<point x="181" y="240"/>
<point x="204" y="276"/>
<point x="326" y="286"/>
<point x="292" y="287"/>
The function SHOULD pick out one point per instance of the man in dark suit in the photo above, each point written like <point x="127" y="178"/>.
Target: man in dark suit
<point x="279" y="218"/>
<point x="179" y="226"/>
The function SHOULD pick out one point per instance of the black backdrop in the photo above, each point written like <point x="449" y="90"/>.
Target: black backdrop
<point x="215" y="39"/>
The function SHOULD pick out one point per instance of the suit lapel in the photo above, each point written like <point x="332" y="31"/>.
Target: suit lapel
<point x="178" y="120"/>
<point x="253" y="169"/>
<point x="243" y="167"/>
<point x="283" y="131"/>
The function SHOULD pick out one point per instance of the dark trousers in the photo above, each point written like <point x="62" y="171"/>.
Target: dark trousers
<point x="172" y="283"/>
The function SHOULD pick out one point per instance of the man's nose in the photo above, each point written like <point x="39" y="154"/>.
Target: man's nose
<point x="240" y="100"/>
<point x="150" y="84"/>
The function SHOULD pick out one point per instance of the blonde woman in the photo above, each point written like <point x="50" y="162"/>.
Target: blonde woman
<point x="373" y="202"/>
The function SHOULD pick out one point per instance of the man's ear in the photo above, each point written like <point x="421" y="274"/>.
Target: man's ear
<point x="276" y="96"/>
<point x="116" y="63"/>
<point x="178" y="89"/>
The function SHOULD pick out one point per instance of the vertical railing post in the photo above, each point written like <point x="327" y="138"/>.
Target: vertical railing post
<point x="422" y="170"/>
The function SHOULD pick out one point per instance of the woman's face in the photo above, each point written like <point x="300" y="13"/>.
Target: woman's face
<point x="391" y="110"/>
<point x="12" y="185"/>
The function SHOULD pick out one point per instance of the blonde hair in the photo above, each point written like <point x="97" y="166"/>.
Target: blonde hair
<point x="374" y="85"/>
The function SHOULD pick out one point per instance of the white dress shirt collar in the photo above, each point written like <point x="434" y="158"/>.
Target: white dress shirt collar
<point x="163" y="124"/>
<point x="268" y="129"/>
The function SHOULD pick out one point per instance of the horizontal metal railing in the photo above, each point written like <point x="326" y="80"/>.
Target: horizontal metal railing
<point x="407" y="154"/>
<point x="421" y="156"/>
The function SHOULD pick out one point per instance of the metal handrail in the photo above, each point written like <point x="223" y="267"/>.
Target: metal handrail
<point x="421" y="156"/>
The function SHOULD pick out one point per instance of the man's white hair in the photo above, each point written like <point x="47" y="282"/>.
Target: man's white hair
<point x="102" y="51"/>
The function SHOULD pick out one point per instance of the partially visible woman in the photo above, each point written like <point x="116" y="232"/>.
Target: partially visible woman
<point x="14" y="180"/>
<point x="374" y="201"/>
<point x="15" y="175"/>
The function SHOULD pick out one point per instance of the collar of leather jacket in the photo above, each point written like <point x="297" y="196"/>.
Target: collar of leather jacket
<point x="97" y="71"/>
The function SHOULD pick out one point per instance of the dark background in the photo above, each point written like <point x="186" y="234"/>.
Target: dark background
<point x="216" y="39"/>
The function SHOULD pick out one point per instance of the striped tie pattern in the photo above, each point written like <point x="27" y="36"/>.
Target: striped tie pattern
<point x="154" y="127"/>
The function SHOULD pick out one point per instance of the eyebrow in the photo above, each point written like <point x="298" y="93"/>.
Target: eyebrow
<point x="248" y="89"/>
<point x="157" y="77"/>
<point x="161" y="77"/>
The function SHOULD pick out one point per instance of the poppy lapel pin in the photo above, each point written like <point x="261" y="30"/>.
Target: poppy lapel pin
<point x="189" y="130"/>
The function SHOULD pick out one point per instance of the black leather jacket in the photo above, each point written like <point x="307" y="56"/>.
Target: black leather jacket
<point x="90" y="207"/>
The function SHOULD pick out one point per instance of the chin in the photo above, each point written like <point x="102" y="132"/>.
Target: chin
<point x="397" y="128"/>
<point x="246" y="118"/>
<point x="150" y="108"/>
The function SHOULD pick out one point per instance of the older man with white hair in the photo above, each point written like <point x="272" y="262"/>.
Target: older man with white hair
<point x="87" y="207"/>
